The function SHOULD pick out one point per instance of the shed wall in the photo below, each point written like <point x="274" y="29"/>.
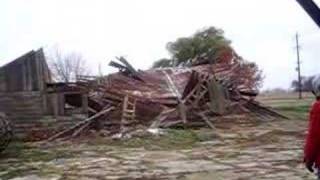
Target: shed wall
<point x="22" y="91"/>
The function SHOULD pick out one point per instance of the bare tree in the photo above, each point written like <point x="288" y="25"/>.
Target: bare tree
<point x="66" y="67"/>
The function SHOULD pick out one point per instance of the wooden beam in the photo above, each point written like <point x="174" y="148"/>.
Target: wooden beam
<point x="80" y="125"/>
<point x="85" y="104"/>
<point x="117" y="65"/>
<point x="128" y="65"/>
<point x="206" y="120"/>
<point x="181" y="106"/>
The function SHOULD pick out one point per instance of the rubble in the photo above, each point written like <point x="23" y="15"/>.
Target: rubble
<point x="163" y="98"/>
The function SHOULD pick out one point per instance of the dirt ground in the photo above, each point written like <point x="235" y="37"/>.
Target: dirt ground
<point x="238" y="149"/>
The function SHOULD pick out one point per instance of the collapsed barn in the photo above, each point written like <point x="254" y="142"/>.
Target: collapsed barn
<point x="162" y="98"/>
<point x="125" y="101"/>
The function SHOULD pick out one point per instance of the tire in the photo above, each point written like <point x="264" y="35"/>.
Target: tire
<point x="6" y="133"/>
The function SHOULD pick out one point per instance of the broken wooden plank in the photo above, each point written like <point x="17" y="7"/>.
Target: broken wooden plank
<point x="252" y="105"/>
<point x="217" y="97"/>
<point x="128" y="65"/>
<point x="162" y="116"/>
<point x="181" y="106"/>
<point x="206" y="120"/>
<point x="117" y="65"/>
<point x="80" y="124"/>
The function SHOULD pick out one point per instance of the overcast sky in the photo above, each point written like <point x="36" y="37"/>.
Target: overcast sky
<point x="261" y="30"/>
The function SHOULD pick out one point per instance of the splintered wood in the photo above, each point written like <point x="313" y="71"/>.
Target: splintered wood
<point x="77" y="129"/>
<point x="163" y="98"/>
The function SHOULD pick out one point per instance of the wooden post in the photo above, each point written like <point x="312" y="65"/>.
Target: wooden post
<point x="85" y="104"/>
<point x="217" y="97"/>
<point x="61" y="104"/>
<point x="55" y="104"/>
<point x="44" y="97"/>
<point x="124" y="120"/>
<point x="183" y="113"/>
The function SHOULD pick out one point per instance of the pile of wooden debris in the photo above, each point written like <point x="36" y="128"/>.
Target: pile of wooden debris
<point x="163" y="98"/>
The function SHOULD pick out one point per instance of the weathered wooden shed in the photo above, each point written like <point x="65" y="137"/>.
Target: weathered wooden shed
<point x="34" y="103"/>
<point x="22" y="89"/>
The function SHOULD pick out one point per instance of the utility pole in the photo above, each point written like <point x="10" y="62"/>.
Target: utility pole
<point x="100" y="70"/>
<point x="298" y="66"/>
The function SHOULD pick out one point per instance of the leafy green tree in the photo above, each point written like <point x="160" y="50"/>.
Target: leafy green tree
<point x="162" y="63"/>
<point x="210" y="46"/>
<point x="208" y="43"/>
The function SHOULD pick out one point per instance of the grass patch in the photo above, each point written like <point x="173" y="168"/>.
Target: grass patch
<point x="24" y="170"/>
<point x="173" y="139"/>
<point x="296" y="109"/>
<point x="178" y="139"/>
<point x="21" y="159"/>
<point x="295" y="112"/>
<point x="27" y="153"/>
<point x="16" y="173"/>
